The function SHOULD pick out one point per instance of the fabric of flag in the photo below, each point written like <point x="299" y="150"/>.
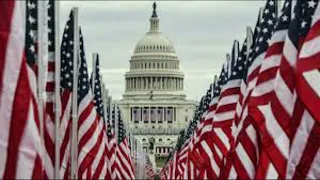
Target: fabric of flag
<point x="90" y="127"/>
<point x="66" y="84"/>
<point x="266" y="109"/>
<point x="99" y="166"/>
<point x="246" y="153"/>
<point x="306" y="162"/>
<point x="125" y="166"/>
<point x="229" y="169"/>
<point x="111" y="148"/>
<point x="149" y="169"/>
<point x="303" y="161"/>
<point x="20" y="149"/>
<point x="49" y="121"/>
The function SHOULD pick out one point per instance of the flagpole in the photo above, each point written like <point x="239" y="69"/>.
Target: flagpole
<point x="249" y="40"/>
<point x="104" y="98"/>
<point x="110" y="109"/>
<point x="260" y="13"/>
<point x="56" y="5"/>
<point x="74" y="138"/>
<point x="116" y="120"/>
<point x="42" y="59"/>
<point x="94" y="61"/>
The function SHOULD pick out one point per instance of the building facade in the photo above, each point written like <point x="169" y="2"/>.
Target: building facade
<point x="154" y="102"/>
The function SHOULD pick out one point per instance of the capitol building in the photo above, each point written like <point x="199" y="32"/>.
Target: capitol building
<point x="154" y="102"/>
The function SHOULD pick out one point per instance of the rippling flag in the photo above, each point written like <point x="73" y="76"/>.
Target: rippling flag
<point x="20" y="147"/>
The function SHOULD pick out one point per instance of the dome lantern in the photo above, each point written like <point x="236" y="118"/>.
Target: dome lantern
<point x="154" y="20"/>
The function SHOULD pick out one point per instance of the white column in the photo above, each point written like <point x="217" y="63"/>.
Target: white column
<point x="142" y="83"/>
<point x="135" y="83"/>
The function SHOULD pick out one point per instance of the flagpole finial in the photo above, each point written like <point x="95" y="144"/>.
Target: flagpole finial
<point x="154" y="12"/>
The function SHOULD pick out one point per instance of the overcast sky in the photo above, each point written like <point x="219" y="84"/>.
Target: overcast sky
<point x="202" y="32"/>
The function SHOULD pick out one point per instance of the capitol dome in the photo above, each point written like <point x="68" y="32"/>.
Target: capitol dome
<point x="154" y="102"/>
<point x="154" y="42"/>
<point x="154" y="66"/>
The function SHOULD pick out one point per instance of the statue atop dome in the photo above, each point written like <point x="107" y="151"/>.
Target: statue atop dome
<point x="154" y="13"/>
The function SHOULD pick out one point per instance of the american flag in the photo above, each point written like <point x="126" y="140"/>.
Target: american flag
<point x="20" y="136"/>
<point x="246" y="145"/>
<point x="229" y="169"/>
<point x="264" y="105"/>
<point x="99" y="166"/>
<point x="149" y="168"/>
<point x="49" y="121"/>
<point x="123" y="159"/>
<point x="306" y="162"/>
<point x="66" y="84"/>
<point x="112" y="172"/>
<point x="303" y="160"/>
<point x="89" y="125"/>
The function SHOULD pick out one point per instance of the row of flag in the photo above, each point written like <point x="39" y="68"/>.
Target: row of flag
<point x="142" y="162"/>
<point x="57" y="121"/>
<point x="259" y="119"/>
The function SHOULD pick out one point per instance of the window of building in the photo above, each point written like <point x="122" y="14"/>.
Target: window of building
<point x="143" y="140"/>
<point x="186" y="119"/>
<point x="160" y="140"/>
<point x="161" y="65"/>
<point x="154" y="65"/>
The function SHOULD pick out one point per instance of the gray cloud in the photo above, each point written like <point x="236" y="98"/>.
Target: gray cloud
<point x="201" y="31"/>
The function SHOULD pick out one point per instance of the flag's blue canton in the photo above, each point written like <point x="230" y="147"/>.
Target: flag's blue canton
<point x="121" y="128"/>
<point x="51" y="26"/>
<point x="254" y="39"/>
<point x="285" y="17"/>
<point x="224" y="74"/>
<point x="309" y="7"/>
<point x="235" y="49"/>
<point x="31" y="31"/>
<point x="301" y="20"/>
<point x="267" y="24"/>
<point x="221" y="80"/>
<point x="110" y="124"/>
<point x="113" y="116"/>
<point x="97" y="89"/>
<point x="207" y="98"/>
<point x="67" y="55"/>
<point x="83" y="78"/>
<point x="239" y="69"/>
